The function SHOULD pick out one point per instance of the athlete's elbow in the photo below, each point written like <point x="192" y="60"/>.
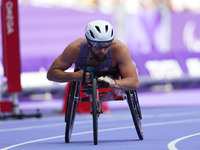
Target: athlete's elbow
<point x="133" y="84"/>
<point x="137" y="85"/>
<point x="49" y="76"/>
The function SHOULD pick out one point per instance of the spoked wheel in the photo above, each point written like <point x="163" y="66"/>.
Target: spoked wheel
<point x="95" y="113"/>
<point x="135" y="114"/>
<point x="71" y="107"/>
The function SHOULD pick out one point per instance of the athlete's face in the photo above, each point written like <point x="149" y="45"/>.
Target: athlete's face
<point x="100" y="52"/>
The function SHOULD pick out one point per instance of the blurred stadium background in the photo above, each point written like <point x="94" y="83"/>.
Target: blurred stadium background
<point x="163" y="37"/>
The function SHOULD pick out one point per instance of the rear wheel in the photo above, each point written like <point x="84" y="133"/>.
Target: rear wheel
<point x="71" y="107"/>
<point x="135" y="114"/>
<point x="136" y="102"/>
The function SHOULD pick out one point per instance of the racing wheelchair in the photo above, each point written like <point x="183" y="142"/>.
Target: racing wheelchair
<point x="98" y="92"/>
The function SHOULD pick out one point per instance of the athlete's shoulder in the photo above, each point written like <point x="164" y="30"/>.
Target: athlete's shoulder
<point x="76" y="43"/>
<point x="73" y="48"/>
<point x="117" y="45"/>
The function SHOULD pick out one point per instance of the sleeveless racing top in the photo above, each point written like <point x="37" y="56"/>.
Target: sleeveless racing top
<point x="104" y="68"/>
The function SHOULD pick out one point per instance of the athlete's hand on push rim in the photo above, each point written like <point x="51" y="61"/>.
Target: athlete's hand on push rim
<point x="87" y="76"/>
<point x="112" y="82"/>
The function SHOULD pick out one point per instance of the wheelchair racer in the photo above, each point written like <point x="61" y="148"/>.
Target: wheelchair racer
<point x="100" y="50"/>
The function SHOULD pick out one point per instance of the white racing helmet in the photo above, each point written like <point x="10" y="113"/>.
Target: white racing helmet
<point x="99" y="33"/>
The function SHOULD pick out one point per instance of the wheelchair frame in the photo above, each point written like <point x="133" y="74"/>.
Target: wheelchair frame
<point x="94" y="92"/>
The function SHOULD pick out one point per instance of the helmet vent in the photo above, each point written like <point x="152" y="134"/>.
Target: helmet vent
<point x="112" y="33"/>
<point x="98" y="29"/>
<point x="91" y="33"/>
<point x="106" y="28"/>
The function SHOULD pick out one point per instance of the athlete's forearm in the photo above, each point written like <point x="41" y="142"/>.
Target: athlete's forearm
<point x="61" y="76"/>
<point x="127" y="84"/>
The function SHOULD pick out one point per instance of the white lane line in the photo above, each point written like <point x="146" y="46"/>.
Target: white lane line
<point x="31" y="127"/>
<point x="42" y="126"/>
<point x="34" y="141"/>
<point x="32" y="120"/>
<point x="189" y="113"/>
<point x="105" y="130"/>
<point x="172" y="122"/>
<point x="89" y="121"/>
<point x="172" y="144"/>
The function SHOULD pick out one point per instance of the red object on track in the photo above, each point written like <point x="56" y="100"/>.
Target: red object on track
<point x="6" y="106"/>
<point x="10" y="37"/>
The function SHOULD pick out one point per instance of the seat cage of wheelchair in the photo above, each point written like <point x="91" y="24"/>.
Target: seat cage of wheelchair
<point x="106" y="93"/>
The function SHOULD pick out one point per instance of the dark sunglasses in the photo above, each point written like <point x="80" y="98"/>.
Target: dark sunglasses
<point x="100" y="44"/>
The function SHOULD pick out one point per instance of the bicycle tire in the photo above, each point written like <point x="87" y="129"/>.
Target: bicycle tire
<point x="137" y="103"/>
<point x="94" y="110"/>
<point x="71" y="110"/>
<point x="135" y="115"/>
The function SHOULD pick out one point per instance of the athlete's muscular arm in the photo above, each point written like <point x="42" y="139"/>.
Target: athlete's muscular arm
<point x="127" y="69"/>
<point x="69" y="56"/>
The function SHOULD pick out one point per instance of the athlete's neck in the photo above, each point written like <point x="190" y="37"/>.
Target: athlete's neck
<point x="91" y="61"/>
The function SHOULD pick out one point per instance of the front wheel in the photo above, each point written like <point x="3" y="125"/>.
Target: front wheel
<point x="95" y="110"/>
